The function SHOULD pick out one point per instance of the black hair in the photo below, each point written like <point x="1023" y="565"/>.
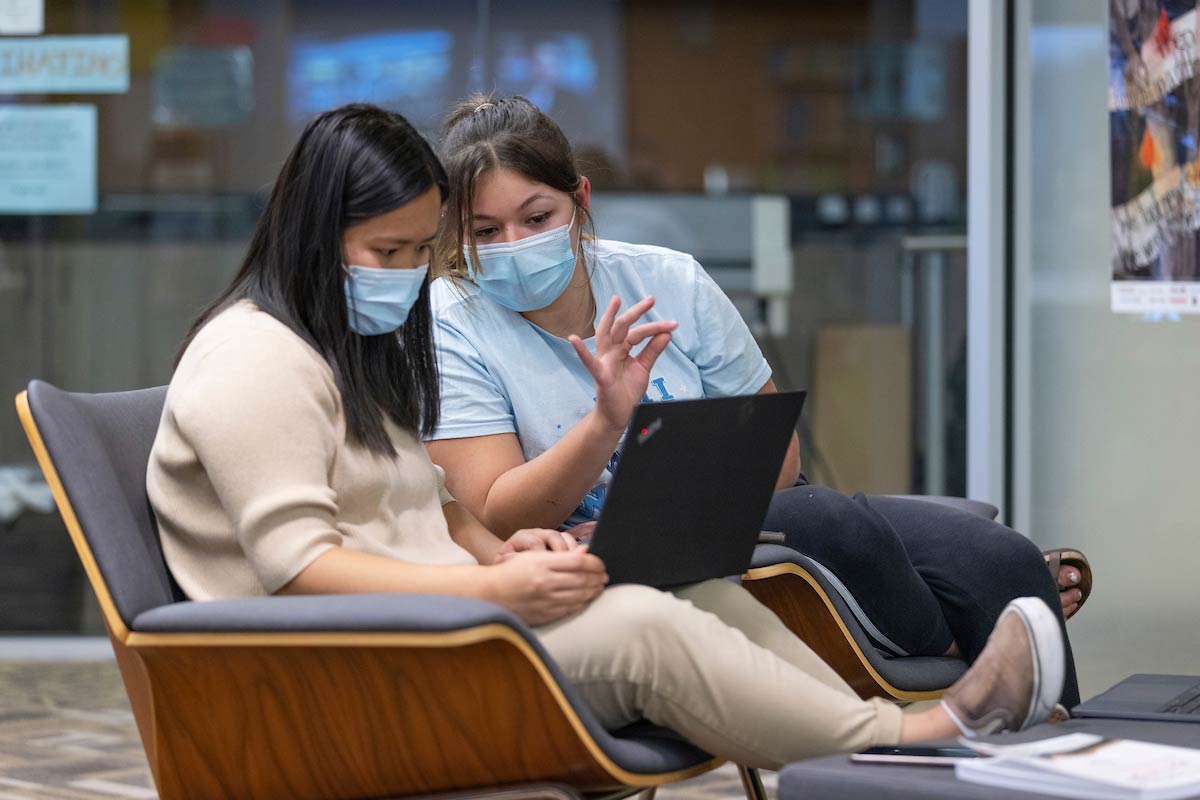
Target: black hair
<point x="350" y="164"/>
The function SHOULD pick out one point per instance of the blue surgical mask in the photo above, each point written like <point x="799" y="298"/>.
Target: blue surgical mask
<point x="527" y="274"/>
<point x="379" y="299"/>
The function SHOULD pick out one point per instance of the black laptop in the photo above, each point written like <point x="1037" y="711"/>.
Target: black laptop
<point x="692" y="486"/>
<point x="1170" y="698"/>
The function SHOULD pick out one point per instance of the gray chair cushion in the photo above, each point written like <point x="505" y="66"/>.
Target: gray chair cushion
<point x="909" y="673"/>
<point x="100" y="445"/>
<point x="640" y="748"/>
<point x="410" y="613"/>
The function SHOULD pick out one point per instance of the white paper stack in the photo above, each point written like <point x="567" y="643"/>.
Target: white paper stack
<point x="1111" y="769"/>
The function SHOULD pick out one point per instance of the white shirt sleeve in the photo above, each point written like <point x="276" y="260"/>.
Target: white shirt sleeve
<point x="729" y="359"/>
<point x="473" y="403"/>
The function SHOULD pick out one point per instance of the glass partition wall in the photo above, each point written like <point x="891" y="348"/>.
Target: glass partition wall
<point x="847" y="120"/>
<point x="1104" y="428"/>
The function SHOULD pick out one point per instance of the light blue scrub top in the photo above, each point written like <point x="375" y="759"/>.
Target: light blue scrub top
<point x="503" y="374"/>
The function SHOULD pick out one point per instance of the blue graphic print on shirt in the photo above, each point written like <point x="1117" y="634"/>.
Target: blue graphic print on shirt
<point x="661" y="385"/>
<point x="594" y="501"/>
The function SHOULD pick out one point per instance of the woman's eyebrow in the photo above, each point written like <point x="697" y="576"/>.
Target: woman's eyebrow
<point x="384" y="239"/>
<point x="532" y="197"/>
<point x="528" y="200"/>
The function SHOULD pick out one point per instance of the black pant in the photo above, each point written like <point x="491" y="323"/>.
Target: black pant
<point x="925" y="574"/>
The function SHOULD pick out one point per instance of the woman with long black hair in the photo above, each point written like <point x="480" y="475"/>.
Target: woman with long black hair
<point x="289" y="460"/>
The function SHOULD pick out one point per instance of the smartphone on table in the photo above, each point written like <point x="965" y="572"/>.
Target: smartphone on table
<point x="915" y="754"/>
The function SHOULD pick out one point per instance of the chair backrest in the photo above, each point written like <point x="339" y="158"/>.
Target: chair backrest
<point x="100" y="446"/>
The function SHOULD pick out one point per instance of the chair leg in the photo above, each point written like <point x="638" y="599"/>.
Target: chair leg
<point x="622" y="794"/>
<point x="648" y="794"/>
<point x="752" y="783"/>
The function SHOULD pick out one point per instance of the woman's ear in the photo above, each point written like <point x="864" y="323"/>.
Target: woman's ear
<point x="583" y="195"/>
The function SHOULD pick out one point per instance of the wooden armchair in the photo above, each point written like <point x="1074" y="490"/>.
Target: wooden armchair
<point x="818" y="608"/>
<point x="318" y="697"/>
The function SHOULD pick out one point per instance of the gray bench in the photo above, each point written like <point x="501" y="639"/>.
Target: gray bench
<point x="837" y="778"/>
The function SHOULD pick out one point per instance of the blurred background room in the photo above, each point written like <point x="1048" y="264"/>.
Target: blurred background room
<point x="908" y="200"/>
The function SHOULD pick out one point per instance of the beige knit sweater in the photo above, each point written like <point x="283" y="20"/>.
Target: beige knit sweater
<point x="252" y="477"/>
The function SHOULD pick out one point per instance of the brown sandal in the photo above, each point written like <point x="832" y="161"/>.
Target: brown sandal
<point x="1066" y="557"/>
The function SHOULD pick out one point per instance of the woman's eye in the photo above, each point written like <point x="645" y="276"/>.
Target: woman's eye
<point x="538" y="219"/>
<point x="482" y="232"/>
<point x="425" y="248"/>
<point x="387" y="253"/>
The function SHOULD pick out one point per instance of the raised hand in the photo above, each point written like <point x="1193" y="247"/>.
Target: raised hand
<point x="621" y="378"/>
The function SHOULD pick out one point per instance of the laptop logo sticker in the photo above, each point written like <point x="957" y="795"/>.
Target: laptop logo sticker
<point x="648" y="431"/>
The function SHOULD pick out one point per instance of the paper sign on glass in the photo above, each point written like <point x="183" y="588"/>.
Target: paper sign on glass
<point x="21" y="17"/>
<point x="47" y="159"/>
<point x="64" y="64"/>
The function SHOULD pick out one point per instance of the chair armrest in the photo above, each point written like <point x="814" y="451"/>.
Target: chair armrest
<point x="766" y="555"/>
<point x="901" y="676"/>
<point x="394" y="613"/>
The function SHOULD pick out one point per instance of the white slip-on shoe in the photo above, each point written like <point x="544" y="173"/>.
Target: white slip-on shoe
<point x="1017" y="679"/>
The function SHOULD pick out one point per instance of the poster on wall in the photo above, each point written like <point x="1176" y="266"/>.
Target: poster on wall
<point x="48" y="159"/>
<point x="1154" y="128"/>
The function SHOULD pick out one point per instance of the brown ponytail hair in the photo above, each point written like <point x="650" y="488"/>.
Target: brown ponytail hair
<point x="482" y="133"/>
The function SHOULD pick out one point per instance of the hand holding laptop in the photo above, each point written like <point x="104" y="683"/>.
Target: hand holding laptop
<point x="541" y="586"/>
<point x="582" y="534"/>
<point x="536" y="540"/>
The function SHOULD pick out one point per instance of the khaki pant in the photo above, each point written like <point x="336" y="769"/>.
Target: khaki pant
<point x="712" y="663"/>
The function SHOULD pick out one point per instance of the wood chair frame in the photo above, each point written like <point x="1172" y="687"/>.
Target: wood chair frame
<point x="300" y="715"/>
<point x="802" y="604"/>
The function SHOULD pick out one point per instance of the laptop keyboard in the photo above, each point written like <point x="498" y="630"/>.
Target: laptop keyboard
<point x="1186" y="703"/>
